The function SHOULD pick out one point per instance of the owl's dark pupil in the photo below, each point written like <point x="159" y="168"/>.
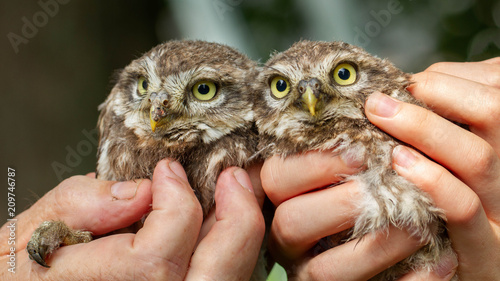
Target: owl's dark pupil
<point x="281" y="85"/>
<point x="203" y="89"/>
<point x="145" y="85"/>
<point x="344" y="74"/>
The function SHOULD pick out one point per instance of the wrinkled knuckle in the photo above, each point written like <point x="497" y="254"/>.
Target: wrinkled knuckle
<point x="270" y="178"/>
<point x="492" y="106"/>
<point x="58" y="203"/>
<point x="62" y="196"/>
<point x="284" y="226"/>
<point x="422" y="122"/>
<point x="250" y="220"/>
<point x="189" y="212"/>
<point x="494" y="77"/>
<point x="71" y="181"/>
<point x="192" y="209"/>
<point x="495" y="110"/>
<point x="437" y="67"/>
<point x="483" y="161"/>
<point x="485" y="100"/>
<point x="316" y="269"/>
<point x="434" y="177"/>
<point x="468" y="215"/>
<point x="383" y="248"/>
<point x="257" y="228"/>
<point x="155" y="267"/>
<point x="422" y="78"/>
<point x="255" y="222"/>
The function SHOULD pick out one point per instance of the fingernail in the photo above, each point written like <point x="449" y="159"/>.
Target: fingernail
<point x="178" y="170"/>
<point x="447" y="266"/>
<point x="242" y="178"/>
<point x="382" y="105"/>
<point x="124" y="190"/>
<point x="403" y="157"/>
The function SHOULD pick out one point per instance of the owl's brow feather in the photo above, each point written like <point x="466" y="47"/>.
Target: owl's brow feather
<point x="206" y="73"/>
<point x="337" y="55"/>
<point x="268" y="68"/>
<point x="271" y="67"/>
<point x="144" y="69"/>
<point x="335" y="58"/>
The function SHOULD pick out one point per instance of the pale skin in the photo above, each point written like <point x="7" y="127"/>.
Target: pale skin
<point x="174" y="244"/>
<point x="464" y="181"/>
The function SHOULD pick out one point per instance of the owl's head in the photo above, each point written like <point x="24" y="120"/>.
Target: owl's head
<point x="312" y="88"/>
<point x="181" y="91"/>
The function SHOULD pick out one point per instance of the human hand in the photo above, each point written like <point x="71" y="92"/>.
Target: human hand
<point x="306" y="213"/>
<point x="467" y="93"/>
<point x="165" y="248"/>
<point x="465" y="181"/>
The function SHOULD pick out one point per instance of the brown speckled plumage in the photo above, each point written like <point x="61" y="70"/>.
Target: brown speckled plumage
<point x="205" y="136"/>
<point x="338" y="124"/>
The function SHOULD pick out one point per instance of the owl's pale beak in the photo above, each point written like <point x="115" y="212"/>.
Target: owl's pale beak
<point x="152" y="121"/>
<point x="310" y="94"/>
<point x="310" y="100"/>
<point x="158" y="109"/>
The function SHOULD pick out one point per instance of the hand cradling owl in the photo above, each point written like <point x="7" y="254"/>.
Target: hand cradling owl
<point x="200" y="102"/>
<point x="186" y="100"/>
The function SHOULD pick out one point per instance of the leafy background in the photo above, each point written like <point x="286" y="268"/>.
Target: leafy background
<point x="54" y="81"/>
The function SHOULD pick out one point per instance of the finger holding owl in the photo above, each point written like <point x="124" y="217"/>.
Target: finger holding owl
<point x="464" y="180"/>
<point x="164" y="248"/>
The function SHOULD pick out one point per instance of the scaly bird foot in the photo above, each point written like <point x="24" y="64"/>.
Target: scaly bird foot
<point x="49" y="236"/>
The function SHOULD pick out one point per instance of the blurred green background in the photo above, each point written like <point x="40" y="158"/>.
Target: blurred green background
<point x="57" y="58"/>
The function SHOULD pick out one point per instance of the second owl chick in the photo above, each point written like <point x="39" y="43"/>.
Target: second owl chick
<point x="311" y="97"/>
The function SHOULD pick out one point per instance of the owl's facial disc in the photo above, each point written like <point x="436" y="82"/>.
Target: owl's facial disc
<point x="158" y="110"/>
<point x="310" y="94"/>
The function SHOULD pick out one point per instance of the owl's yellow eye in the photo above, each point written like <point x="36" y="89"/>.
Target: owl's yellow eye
<point x="142" y="85"/>
<point x="204" y="90"/>
<point x="280" y="87"/>
<point x="344" y="74"/>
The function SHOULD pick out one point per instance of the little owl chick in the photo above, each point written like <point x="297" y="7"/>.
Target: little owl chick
<point x="185" y="100"/>
<point x="311" y="97"/>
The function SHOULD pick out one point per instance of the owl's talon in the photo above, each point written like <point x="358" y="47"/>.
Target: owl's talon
<point x="49" y="236"/>
<point x="38" y="256"/>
